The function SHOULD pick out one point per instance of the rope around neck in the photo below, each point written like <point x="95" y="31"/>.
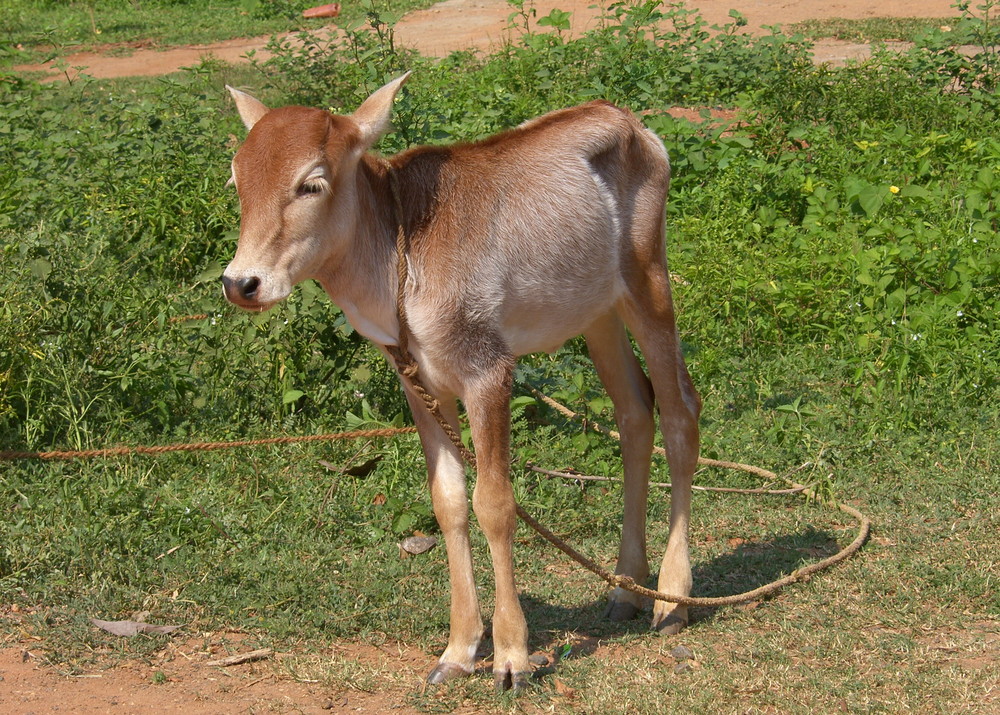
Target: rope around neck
<point x="407" y="367"/>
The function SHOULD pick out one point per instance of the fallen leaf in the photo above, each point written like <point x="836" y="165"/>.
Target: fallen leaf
<point x="365" y="468"/>
<point x="417" y="544"/>
<point x="331" y="10"/>
<point x="563" y="689"/>
<point x="130" y="628"/>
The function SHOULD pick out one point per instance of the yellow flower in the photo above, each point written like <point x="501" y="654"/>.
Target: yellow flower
<point x="893" y="189"/>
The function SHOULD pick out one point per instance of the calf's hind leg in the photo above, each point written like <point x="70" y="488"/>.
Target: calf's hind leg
<point x="650" y="316"/>
<point x="632" y="395"/>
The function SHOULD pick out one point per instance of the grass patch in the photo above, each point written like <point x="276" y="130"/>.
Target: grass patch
<point x="34" y="32"/>
<point x="836" y="255"/>
<point x="872" y="29"/>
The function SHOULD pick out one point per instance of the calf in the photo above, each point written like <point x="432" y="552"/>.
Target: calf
<point x="516" y="244"/>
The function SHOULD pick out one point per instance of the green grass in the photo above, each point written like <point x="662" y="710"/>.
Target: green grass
<point x="877" y="633"/>
<point x="37" y="31"/>
<point x="874" y="29"/>
<point x="836" y="257"/>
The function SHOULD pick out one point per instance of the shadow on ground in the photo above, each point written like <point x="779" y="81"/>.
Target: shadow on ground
<point x="744" y="567"/>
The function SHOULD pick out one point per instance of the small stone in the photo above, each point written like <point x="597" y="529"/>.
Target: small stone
<point x="683" y="667"/>
<point x="682" y="652"/>
<point x="538" y="659"/>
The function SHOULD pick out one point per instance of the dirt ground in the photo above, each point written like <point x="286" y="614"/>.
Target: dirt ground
<point x="461" y="24"/>
<point x="178" y="678"/>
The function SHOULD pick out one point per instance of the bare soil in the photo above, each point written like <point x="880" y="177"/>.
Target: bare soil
<point x="177" y="678"/>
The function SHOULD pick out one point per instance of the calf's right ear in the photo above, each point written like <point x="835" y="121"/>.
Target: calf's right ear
<point x="250" y="108"/>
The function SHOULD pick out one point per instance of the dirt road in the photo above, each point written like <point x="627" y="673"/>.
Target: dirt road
<point x="480" y="24"/>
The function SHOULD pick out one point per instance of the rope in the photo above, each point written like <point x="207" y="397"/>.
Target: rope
<point x="768" y="589"/>
<point x="407" y="367"/>
<point x="664" y="485"/>
<point x="202" y="446"/>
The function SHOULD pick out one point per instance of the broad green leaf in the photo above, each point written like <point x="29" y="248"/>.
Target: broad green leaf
<point x="291" y="396"/>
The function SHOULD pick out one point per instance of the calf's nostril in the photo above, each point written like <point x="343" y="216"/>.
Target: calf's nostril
<point x="247" y="287"/>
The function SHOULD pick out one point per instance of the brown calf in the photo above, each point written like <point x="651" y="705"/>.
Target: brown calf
<point x="517" y="244"/>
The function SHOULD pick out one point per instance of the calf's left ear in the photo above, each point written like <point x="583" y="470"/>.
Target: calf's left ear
<point x="374" y="116"/>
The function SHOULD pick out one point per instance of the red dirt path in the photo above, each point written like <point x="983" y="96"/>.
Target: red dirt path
<point x="461" y="24"/>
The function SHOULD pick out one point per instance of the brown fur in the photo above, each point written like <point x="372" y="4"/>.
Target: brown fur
<point x="517" y="243"/>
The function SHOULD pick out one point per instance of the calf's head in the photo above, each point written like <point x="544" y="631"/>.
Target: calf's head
<point x="296" y="175"/>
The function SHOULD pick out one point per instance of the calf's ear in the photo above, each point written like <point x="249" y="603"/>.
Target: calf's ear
<point x="250" y="108"/>
<point x="374" y="116"/>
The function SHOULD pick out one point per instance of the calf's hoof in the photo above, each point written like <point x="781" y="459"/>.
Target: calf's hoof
<point x="669" y="624"/>
<point x="443" y="672"/>
<point x="624" y="605"/>
<point x="509" y="679"/>
<point x="621" y="611"/>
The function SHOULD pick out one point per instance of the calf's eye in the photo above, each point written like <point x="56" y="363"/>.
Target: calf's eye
<point x="308" y="188"/>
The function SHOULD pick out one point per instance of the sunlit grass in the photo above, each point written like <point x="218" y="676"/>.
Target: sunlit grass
<point x="875" y="29"/>
<point x="835" y="257"/>
<point x="31" y="31"/>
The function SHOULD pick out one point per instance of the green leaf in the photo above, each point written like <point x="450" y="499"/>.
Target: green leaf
<point x="599" y="403"/>
<point x="558" y="19"/>
<point x="212" y="273"/>
<point x="291" y="396"/>
<point x="40" y="268"/>
<point x="912" y="191"/>
<point x="871" y="199"/>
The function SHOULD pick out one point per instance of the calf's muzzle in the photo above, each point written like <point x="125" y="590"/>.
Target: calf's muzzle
<point x="241" y="290"/>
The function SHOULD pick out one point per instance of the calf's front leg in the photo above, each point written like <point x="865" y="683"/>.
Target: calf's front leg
<point x="446" y="478"/>
<point x="487" y="402"/>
